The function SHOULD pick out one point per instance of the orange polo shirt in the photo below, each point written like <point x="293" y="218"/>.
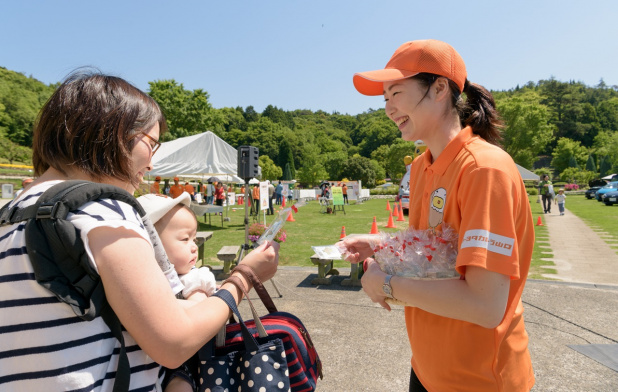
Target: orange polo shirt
<point x="155" y="187"/>
<point x="255" y="193"/>
<point x="476" y="189"/>
<point x="176" y="190"/>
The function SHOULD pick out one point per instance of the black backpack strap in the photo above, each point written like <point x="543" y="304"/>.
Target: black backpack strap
<point x="59" y="258"/>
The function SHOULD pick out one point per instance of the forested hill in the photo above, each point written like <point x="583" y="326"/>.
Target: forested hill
<point x="574" y="124"/>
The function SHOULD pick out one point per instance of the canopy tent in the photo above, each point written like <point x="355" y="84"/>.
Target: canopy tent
<point x="202" y="155"/>
<point x="526" y="174"/>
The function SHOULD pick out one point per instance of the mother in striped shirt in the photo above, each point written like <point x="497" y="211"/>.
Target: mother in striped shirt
<point x="100" y="128"/>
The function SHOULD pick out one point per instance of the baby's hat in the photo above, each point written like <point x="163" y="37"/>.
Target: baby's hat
<point x="156" y="205"/>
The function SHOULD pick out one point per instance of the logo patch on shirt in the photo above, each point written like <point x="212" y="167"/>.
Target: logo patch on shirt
<point x="492" y="242"/>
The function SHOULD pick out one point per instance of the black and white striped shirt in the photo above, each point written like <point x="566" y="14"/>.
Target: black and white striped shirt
<point x="43" y="345"/>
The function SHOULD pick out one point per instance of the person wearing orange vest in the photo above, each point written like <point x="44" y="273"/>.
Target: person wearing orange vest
<point x="156" y="186"/>
<point x="255" y="204"/>
<point x="344" y="190"/>
<point x="176" y="189"/>
<point x="465" y="334"/>
<point x="190" y="190"/>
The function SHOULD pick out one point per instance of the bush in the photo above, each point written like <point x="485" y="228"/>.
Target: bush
<point x="533" y="191"/>
<point x="571" y="187"/>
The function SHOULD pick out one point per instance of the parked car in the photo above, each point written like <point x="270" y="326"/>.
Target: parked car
<point x="405" y="201"/>
<point x="610" y="198"/>
<point x="591" y="192"/>
<point x="612" y="186"/>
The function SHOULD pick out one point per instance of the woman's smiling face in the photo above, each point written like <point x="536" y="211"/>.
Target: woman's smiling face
<point x="405" y="100"/>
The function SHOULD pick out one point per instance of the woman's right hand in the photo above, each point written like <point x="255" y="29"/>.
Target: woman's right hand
<point x="359" y="247"/>
<point x="263" y="260"/>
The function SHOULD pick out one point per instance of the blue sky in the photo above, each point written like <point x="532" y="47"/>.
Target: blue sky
<point x="302" y="54"/>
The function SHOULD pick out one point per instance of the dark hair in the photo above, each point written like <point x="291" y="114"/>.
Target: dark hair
<point x="478" y="110"/>
<point x="90" y="122"/>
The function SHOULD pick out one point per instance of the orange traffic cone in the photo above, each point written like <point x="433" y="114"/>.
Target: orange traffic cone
<point x="400" y="217"/>
<point x="283" y="202"/>
<point x="388" y="205"/>
<point x="374" y="227"/>
<point x="342" y="232"/>
<point x="290" y="217"/>
<point x="390" y="224"/>
<point x="395" y="209"/>
<point x="539" y="222"/>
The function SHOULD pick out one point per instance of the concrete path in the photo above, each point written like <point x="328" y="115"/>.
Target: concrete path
<point x="580" y="254"/>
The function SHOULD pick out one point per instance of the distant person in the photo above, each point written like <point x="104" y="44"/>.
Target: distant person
<point x="469" y="333"/>
<point x="176" y="189"/>
<point x="219" y="194"/>
<point x="545" y="189"/>
<point x="279" y="193"/>
<point x="344" y="191"/>
<point x="190" y="190"/>
<point x="166" y="187"/>
<point x="156" y="186"/>
<point x="271" y="196"/>
<point x="255" y="200"/>
<point x="560" y="200"/>
<point x="210" y="192"/>
<point x="24" y="184"/>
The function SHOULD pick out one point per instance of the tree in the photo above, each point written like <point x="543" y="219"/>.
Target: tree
<point x="374" y="131"/>
<point x="606" y="166"/>
<point x="187" y="112"/>
<point x="287" y="174"/>
<point x="360" y="168"/>
<point x="21" y="98"/>
<point x="13" y="152"/>
<point x="573" y="162"/>
<point x="334" y="163"/>
<point x="312" y="171"/>
<point x="563" y="152"/>
<point x="286" y="158"/>
<point x="527" y="130"/>
<point x="590" y="165"/>
<point x="270" y="171"/>
<point x="394" y="165"/>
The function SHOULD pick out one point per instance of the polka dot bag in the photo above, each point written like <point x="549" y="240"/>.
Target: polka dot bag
<point x="259" y="367"/>
<point x="269" y="353"/>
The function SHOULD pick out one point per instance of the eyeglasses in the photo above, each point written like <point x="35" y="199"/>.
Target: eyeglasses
<point x="157" y="143"/>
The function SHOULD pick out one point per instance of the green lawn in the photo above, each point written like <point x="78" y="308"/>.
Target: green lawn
<point x="311" y="228"/>
<point x="314" y="228"/>
<point x="541" y="244"/>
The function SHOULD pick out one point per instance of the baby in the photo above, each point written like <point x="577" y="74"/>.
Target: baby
<point x="176" y="225"/>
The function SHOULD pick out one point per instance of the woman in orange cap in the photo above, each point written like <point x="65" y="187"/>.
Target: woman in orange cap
<point x="466" y="334"/>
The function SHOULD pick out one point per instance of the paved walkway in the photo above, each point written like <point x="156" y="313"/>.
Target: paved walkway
<point x="580" y="254"/>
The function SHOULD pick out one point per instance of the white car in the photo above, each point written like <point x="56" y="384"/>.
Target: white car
<point x="405" y="201"/>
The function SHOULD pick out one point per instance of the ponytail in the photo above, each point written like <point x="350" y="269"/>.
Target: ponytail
<point x="479" y="112"/>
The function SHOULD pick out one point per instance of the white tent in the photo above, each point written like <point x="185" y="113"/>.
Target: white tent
<point x="202" y="155"/>
<point x="526" y="174"/>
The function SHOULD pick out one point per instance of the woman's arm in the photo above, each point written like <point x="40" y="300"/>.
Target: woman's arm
<point x="479" y="299"/>
<point x="139" y="293"/>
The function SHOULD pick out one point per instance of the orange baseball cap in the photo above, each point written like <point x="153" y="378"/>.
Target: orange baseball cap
<point x="175" y="178"/>
<point x="412" y="58"/>
<point x="157" y="178"/>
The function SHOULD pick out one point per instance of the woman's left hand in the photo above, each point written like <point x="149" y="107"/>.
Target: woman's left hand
<point x="372" y="281"/>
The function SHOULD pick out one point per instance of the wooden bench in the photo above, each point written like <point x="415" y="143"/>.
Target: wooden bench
<point x="325" y="267"/>
<point x="354" y="279"/>
<point x="200" y="238"/>
<point x="228" y="255"/>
